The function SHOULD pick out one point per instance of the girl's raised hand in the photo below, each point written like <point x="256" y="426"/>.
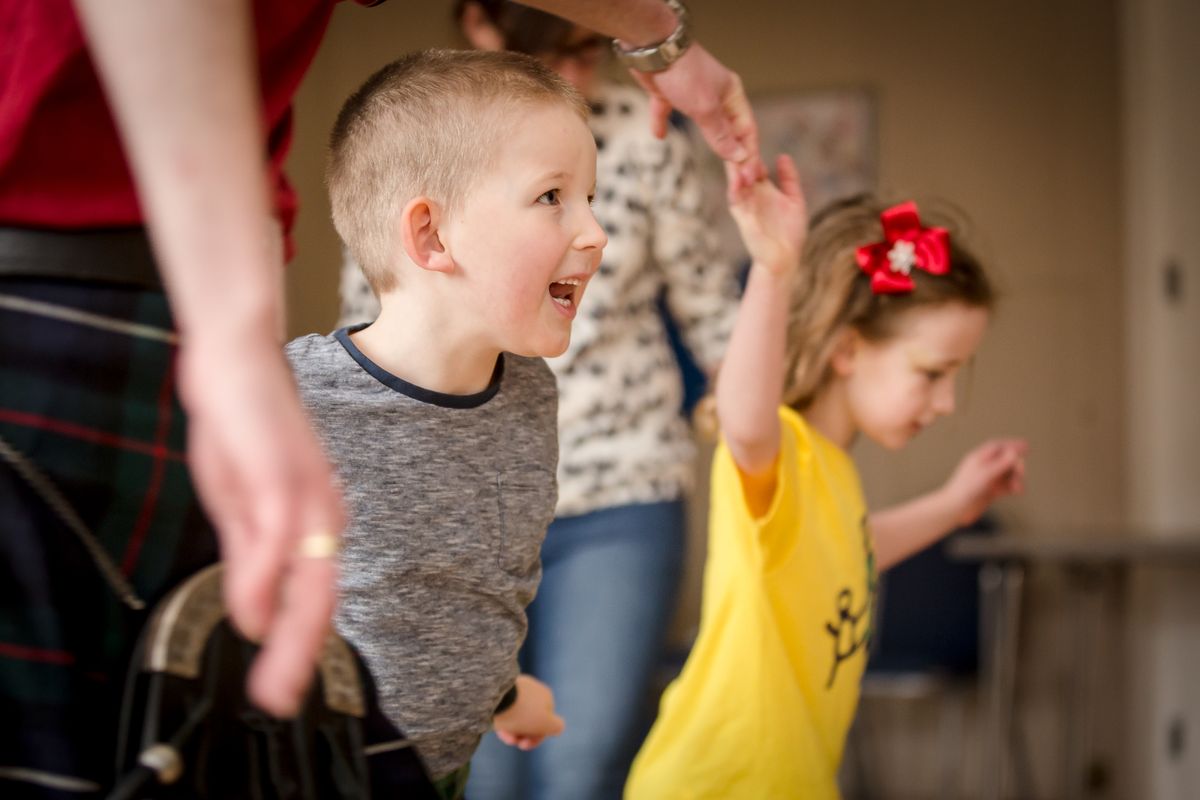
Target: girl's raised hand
<point x="772" y="219"/>
<point x="992" y="470"/>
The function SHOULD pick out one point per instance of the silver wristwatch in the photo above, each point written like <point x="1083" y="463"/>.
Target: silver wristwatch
<point x="657" y="57"/>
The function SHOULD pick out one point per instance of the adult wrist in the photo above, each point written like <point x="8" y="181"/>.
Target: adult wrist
<point x="246" y="319"/>
<point x="660" y="55"/>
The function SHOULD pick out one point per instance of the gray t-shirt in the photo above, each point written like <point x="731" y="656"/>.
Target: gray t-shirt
<point x="448" y="498"/>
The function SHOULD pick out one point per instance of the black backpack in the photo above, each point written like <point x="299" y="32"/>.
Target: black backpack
<point x="188" y="731"/>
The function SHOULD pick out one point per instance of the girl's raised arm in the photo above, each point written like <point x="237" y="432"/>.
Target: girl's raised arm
<point x="750" y="385"/>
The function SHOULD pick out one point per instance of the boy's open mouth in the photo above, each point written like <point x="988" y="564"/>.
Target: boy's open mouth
<point x="566" y="292"/>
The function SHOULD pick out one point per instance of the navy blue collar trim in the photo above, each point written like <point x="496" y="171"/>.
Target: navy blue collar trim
<point x="411" y="389"/>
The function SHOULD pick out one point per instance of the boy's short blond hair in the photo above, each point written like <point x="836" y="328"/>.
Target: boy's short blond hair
<point x="425" y="125"/>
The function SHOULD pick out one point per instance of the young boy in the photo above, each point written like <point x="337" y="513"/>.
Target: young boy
<point x="461" y="182"/>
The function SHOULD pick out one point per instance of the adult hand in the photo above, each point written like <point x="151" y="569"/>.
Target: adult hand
<point x="712" y="95"/>
<point x="266" y="483"/>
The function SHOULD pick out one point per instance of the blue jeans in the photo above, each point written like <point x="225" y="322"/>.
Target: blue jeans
<point x="596" y="632"/>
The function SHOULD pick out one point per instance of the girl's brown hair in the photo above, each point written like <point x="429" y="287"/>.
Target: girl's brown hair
<point x="832" y="293"/>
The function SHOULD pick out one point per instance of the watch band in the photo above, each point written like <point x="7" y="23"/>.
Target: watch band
<point x="657" y="57"/>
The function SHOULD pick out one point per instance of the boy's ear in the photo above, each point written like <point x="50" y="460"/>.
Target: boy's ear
<point x="420" y="232"/>
<point x="845" y="346"/>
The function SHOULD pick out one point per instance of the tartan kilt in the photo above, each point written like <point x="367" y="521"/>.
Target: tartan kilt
<point x="87" y="395"/>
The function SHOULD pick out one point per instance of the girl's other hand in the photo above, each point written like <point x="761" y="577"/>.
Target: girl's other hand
<point x="772" y="220"/>
<point x="992" y="470"/>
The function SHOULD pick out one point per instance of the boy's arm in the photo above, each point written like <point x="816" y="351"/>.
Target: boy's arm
<point x="751" y="381"/>
<point x="696" y="84"/>
<point x="180" y="79"/>
<point x="990" y="471"/>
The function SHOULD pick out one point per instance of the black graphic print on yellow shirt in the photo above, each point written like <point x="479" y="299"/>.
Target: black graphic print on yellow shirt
<point x="850" y="627"/>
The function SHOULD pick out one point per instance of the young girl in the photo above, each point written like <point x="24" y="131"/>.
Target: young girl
<point x="860" y="329"/>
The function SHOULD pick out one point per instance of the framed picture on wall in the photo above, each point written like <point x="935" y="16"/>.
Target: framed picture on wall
<point x="830" y="134"/>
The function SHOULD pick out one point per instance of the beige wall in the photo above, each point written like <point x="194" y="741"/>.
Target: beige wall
<point x="359" y="41"/>
<point x="1161" y="39"/>
<point x="1012" y="114"/>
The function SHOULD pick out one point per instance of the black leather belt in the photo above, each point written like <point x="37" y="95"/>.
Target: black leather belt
<point x="111" y="255"/>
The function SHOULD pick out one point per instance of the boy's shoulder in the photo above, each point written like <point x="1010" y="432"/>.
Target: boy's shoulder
<point x="307" y="345"/>
<point x="324" y="362"/>
<point x="314" y="354"/>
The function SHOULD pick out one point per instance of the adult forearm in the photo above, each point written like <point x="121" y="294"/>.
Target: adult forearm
<point x="636" y="22"/>
<point x="903" y="530"/>
<point x="750" y="384"/>
<point x="181" y="82"/>
<point x="180" y="79"/>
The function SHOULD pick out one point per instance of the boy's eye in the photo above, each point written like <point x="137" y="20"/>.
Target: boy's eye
<point x="934" y="375"/>
<point x="549" y="198"/>
<point x="591" y="199"/>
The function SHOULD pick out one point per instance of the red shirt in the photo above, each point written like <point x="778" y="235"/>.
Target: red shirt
<point x="61" y="162"/>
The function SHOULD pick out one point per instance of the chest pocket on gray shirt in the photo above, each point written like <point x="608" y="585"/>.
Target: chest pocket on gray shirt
<point x="527" y="496"/>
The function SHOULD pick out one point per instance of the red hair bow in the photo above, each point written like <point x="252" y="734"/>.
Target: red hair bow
<point x="906" y="245"/>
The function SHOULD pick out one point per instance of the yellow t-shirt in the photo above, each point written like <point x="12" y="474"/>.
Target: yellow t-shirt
<point x="763" y="704"/>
